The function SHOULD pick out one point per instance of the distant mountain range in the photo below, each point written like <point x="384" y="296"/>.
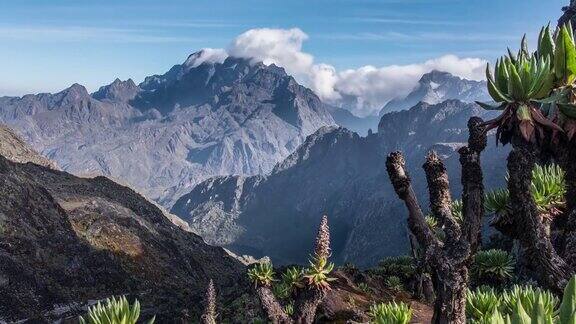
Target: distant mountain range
<point x="436" y="87"/>
<point x="341" y="174"/>
<point x="247" y="156"/>
<point x="173" y="130"/>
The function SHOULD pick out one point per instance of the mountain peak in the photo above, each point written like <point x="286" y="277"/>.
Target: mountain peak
<point x="117" y="91"/>
<point x="205" y="55"/>
<point x="437" y="86"/>
<point x="437" y="76"/>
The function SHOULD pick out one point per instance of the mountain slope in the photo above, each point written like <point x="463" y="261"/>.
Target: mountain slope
<point x="338" y="173"/>
<point x="360" y="125"/>
<point x="15" y="149"/>
<point x="173" y="130"/>
<point x="67" y="240"/>
<point x="436" y="87"/>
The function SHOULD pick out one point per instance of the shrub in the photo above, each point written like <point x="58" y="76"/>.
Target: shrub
<point x="262" y="274"/>
<point x="289" y="309"/>
<point x="292" y="279"/>
<point x="400" y="266"/>
<point x="390" y="313"/>
<point x="281" y="290"/>
<point x="114" y="311"/>
<point x="535" y="306"/>
<point x="394" y="283"/>
<point x="530" y="298"/>
<point x="318" y="272"/>
<point x="547" y="188"/>
<point x="364" y="287"/>
<point x="492" y="266"/>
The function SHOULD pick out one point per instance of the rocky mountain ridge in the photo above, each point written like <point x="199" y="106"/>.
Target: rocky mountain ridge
<point x="338" y="173"/>
<point x="173" y="130"/>
<point x="66" y="241"/>
<point x="435" y="87"/>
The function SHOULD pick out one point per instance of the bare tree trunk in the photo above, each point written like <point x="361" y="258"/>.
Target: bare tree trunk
<point x="273" y="309"/>
<point x="528" y="227"/>
<point x="449" y="260"/>
<point x="307" y="304"/>
<point x="450" y="285"/>
<point x="565" y="154"/>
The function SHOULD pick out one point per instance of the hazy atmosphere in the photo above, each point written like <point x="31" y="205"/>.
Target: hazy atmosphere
<point x="288" y="162"/>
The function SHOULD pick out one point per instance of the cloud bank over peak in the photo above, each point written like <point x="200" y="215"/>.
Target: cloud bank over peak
<point x="365" y="89"/>
<point x="206" y="55"/>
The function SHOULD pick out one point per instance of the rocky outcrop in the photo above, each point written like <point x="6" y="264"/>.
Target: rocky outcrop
<point x="338" y="173"/>
<point x="436" y="87"/>
<point x="174" y="130"/>
<point x="66" y="241"/>
<point x="15" y="149"/>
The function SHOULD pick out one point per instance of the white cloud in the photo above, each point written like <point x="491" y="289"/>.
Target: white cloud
<point x="282" y="47"/>
<point x="210" y="55"/>
<point x="371" y="86"/>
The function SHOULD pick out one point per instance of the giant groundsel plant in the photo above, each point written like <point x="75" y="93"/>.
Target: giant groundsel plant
<point x="517" y="83"/>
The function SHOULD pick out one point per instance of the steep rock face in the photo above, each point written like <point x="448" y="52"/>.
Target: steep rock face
<point x="436" y="87"/>
<point x="67" y="240"/>
<point x="15" y="149"/>
<point x="173" y="130"/>
<point x="338" y="173"/>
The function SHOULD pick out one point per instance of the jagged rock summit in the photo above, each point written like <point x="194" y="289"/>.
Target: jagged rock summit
<point x="202" y="118"/>
<point x="334" y="172"/>
<point x="436" y="87"/>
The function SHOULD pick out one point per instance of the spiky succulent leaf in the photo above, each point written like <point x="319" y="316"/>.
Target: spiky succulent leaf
<point x="262" y="274"/>
<point x="548" y="187"/>
<point x="502" y="76"/>
<point x="567" y="311"/>
<point x="495" y="264"/>
<point x="490" y="107"/>
<point x="565" y="56"/>
<point x="515" y="87"/>
<point x="529" y="298"/>
<point x="318" y="273"/>
<point x="496" y="202"/>
<point x="114" y="311"/>
<point x="292" y="278"/>
<point x="546" y="43"/>
<point x="390" y="313"/>
<point x="481" y="303"/>
<point x="496" y="93"/>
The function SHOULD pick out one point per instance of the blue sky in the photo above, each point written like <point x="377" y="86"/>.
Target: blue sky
<point x="48" y="45"/>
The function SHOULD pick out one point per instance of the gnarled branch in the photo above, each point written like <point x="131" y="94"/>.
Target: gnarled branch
<point x="274" y="310"/>
<point x="396" y="167"/>
<point x="472" y="183"/>
<point x="440" y="197"/>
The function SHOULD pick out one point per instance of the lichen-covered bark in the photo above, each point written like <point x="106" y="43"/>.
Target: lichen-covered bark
<point x="565" y="156"/>
<point x="472" y="184"/>
<point x="448" y="260"/>
<point x="527" y="225"/>
<point x="306" y="306"/>
<point x="273" y="309"/>
<point x="440" y="197"/>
